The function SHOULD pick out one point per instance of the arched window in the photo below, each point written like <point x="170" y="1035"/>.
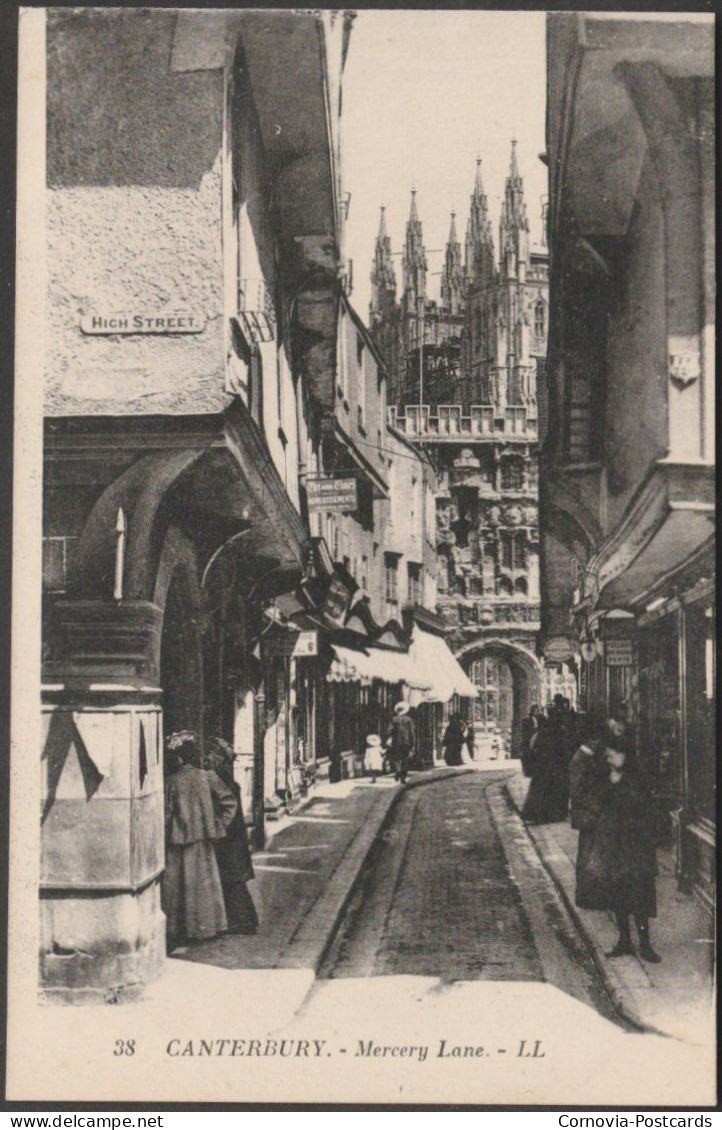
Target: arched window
<point x="505" y="588"/>
<point x="521" y="586"/>
<point x="540" y="319"/>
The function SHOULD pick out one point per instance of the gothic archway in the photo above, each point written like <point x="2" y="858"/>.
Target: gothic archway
<point x="181" y="658"/>
<point x="508" y="678"/>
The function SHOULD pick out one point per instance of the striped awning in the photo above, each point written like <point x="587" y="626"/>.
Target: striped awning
<point x="363" y="666"/>
<point x="439" y="668"/>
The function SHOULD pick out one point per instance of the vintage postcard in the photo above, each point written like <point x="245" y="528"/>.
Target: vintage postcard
<point x="363" y="606"/>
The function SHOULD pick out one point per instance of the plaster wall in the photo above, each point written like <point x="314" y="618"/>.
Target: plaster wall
<point x="133" y="216"/>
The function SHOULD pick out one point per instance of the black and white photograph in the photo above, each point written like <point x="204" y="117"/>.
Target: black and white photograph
<point x="363" y="610"/>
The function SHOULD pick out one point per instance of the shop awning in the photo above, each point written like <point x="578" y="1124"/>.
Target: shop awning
<point x="355" y="666"/>
<point x="684" y="534"/>
<point x="443" y="673"/>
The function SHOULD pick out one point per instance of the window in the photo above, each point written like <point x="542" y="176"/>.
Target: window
<point x="342" y="360"/>
<point x="391" y="581"/>
<point x="476" y="587"/>
<point x="513" y="550"/>
<point x="56" y="552"/>
<point x="414" y="579"/>
<point x="364" y="580"/>
<point x="539" y="319"/>
<point x="512" y="474"/>
<point x="361" y="380"/>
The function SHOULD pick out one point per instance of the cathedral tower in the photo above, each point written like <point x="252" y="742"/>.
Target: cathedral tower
<point x="383" y="276"/>
<point x="414" y="264"/>
<point x="452" y="279"/>
<point x="463" y="385"/>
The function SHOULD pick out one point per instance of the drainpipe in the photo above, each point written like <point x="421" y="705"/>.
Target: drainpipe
<point x="258" y="832"/>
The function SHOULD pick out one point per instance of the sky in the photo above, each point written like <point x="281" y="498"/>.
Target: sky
<point x="424" y="94"/>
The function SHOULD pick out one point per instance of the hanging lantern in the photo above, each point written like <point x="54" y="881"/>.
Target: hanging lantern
<point x="589" y="651"/>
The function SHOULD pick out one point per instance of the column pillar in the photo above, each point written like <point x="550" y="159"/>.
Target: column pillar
<point x="102" y="841"/>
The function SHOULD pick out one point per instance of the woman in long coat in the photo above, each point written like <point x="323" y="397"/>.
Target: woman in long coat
<point x="198" y="809"/>
<point x="621" y="864"/>
<point x="233" y="853"/>
<point x="588" y="786"/>
<point x="547" y="801"/>
<point x="453" y="740"/>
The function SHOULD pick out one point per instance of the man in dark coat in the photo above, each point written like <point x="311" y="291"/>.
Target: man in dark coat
<point x="453" y="740"/>
<point x="401" y="741"/>
<point x="547" y="801"/>
<point x="529" y="731"/>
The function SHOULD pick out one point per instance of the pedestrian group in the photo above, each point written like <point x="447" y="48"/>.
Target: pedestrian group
<point x="585" y="769"/>
<point x="208" y="860"/>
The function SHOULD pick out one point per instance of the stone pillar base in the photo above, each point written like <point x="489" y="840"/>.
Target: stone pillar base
<point x="102" y="949"/>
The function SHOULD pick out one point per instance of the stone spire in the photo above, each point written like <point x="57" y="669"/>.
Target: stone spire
<point x="452" y="278"/>
<point x="479" y="253"/>
<point x="514" y="225"/>
<point x="383" y="276"/>
<point x="414" y="261"/>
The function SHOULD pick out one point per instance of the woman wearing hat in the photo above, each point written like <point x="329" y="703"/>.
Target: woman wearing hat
<point x="198" y="809"/>
<point x="233" y="853"/>
<point x="401" y="741"/>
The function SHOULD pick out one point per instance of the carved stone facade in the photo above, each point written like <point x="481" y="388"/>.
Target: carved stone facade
<point x="463" y="376"/>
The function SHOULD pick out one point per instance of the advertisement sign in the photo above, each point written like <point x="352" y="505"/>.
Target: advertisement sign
<point x="619" y="653"/>
<point x="331" y="495"/>
<point x="336" y="600"/>
<point x="298" y="645"/>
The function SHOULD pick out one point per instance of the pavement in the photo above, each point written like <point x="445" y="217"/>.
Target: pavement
<point x="306" y="875"/>
<point x="674" y="998"/>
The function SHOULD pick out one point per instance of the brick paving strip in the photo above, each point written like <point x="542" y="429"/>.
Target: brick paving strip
<point x="671" y="999"/>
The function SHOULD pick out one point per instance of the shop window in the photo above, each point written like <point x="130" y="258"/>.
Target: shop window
<point x="700" y="690"/>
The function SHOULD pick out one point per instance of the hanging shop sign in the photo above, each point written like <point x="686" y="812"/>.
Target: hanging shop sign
<point x="336" y="601"/>
<point x="144" y="322"/>
<point x="326" y="495"/>
<point x="619" y="653"/>
<point x="559" y="649"/>
<point x="297" y="645"/>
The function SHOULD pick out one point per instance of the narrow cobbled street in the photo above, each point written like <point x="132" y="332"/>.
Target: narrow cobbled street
<point x="454" y="891"/>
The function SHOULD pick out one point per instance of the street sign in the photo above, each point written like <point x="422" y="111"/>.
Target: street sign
<point x="331" y="495"/>
<point x="619" y="653"/>
<point x="143" y="322"/>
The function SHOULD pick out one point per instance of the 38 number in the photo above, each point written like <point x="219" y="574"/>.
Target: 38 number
<point x="124" y="1047"/>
